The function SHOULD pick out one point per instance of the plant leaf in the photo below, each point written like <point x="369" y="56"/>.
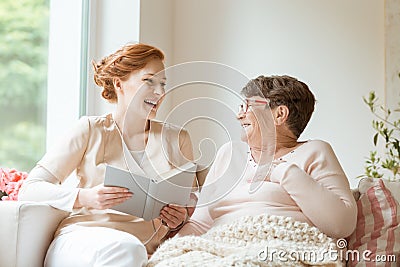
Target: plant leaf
<point x="376" y="139"/>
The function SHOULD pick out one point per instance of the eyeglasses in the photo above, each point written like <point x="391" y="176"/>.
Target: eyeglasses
<point x="244" y="107"/>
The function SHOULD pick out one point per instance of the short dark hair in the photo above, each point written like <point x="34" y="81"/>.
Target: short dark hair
<point x="288" y="91"/>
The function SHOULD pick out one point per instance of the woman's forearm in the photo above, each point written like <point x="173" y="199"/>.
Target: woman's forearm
<point x="326" y="201"/>
<point x="42" y="186"/>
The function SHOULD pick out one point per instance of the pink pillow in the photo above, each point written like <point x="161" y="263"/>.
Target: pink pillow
<point x="377" y="233"/>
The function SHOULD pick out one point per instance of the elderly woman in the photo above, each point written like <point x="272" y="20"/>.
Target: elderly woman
<point x="305" y="183"/>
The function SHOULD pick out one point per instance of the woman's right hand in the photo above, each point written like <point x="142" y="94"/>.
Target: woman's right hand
<point x="101" y="197"/>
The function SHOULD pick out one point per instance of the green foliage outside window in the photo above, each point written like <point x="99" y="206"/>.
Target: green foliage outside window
<point x="23" y="81"/>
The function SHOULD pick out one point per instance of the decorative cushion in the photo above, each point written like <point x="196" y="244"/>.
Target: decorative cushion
<point x="377" y="234"/>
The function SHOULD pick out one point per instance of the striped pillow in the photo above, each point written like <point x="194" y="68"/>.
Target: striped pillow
<point x="378" y="229"/>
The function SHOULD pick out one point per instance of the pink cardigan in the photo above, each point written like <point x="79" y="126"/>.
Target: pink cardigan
<point x="308" y="185"/>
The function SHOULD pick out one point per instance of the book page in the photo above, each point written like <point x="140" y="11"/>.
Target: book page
<point x="136" y="184"/>
<point x="174" y="190"/>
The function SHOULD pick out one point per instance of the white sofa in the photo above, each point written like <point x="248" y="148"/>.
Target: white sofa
<point x="27" y="228"/>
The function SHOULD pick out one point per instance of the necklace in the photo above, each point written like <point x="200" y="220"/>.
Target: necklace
<point x="263" y="171"/>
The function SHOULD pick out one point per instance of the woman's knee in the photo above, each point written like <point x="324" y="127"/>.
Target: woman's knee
<point x="123" y="250"/>
<point x="96" y="247"/>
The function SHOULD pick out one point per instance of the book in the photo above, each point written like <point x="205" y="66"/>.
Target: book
<point x="151" y="194"/>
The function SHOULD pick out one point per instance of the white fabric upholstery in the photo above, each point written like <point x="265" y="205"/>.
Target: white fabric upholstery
<point x="26" y="230"/>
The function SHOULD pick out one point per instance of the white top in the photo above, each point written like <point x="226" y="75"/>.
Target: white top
<point x="138" y="156"/>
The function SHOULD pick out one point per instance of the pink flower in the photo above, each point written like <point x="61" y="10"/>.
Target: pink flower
<point x="10" y="182"/>
<point x="3" y="178"/>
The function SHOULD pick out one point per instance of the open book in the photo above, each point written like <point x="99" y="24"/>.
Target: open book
<point x="151" y="194"/>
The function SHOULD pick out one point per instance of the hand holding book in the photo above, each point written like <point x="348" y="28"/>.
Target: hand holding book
<point x="150" y="195"/>
<point x="101" y="197"/>
<point x="174" y="215"/>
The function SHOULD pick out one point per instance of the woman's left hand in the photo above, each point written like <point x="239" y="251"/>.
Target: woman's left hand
<point x="173" y="215"/>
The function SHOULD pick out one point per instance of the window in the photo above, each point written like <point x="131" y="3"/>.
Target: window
<point x="24" y="28"/>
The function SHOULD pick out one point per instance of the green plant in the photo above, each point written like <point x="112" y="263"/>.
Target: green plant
<point x="385" y="160"/>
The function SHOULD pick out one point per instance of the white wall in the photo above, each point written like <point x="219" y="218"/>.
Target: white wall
<point x="156" y="28"/>
<point x="112" y="25"/>
<point x="392" y="45"/>
<point x="337" y="47"/>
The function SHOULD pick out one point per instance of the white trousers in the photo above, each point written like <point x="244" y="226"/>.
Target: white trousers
<point x="95" y="247"/>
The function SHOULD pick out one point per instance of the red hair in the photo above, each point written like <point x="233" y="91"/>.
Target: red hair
<point x="121" y="64"/>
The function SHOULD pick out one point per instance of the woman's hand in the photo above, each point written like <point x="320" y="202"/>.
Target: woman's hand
<point x="101" y="197"/>
<point x="174" y="215"/>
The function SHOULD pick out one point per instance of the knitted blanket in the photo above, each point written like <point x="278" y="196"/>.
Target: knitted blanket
<point x="261" y="240"/>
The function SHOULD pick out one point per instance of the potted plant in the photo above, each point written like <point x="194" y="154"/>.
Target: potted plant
<point x="384" y="161"/>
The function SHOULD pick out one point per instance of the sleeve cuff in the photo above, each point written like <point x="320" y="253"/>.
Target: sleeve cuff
<point x="74" y="195"/>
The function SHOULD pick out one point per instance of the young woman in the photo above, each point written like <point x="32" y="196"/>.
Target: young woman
<point x="93" y="235"/>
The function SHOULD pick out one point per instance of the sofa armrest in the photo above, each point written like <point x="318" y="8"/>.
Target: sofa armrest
<point x="26" y="231"/>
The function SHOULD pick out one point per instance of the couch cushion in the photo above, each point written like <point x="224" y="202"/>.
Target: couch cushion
<point x="377" y="229"/>
<point x="26" y="230"/>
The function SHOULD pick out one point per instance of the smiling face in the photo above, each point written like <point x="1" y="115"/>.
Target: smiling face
<point x="144" y="89"/>
<point x="257" y="124"/>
